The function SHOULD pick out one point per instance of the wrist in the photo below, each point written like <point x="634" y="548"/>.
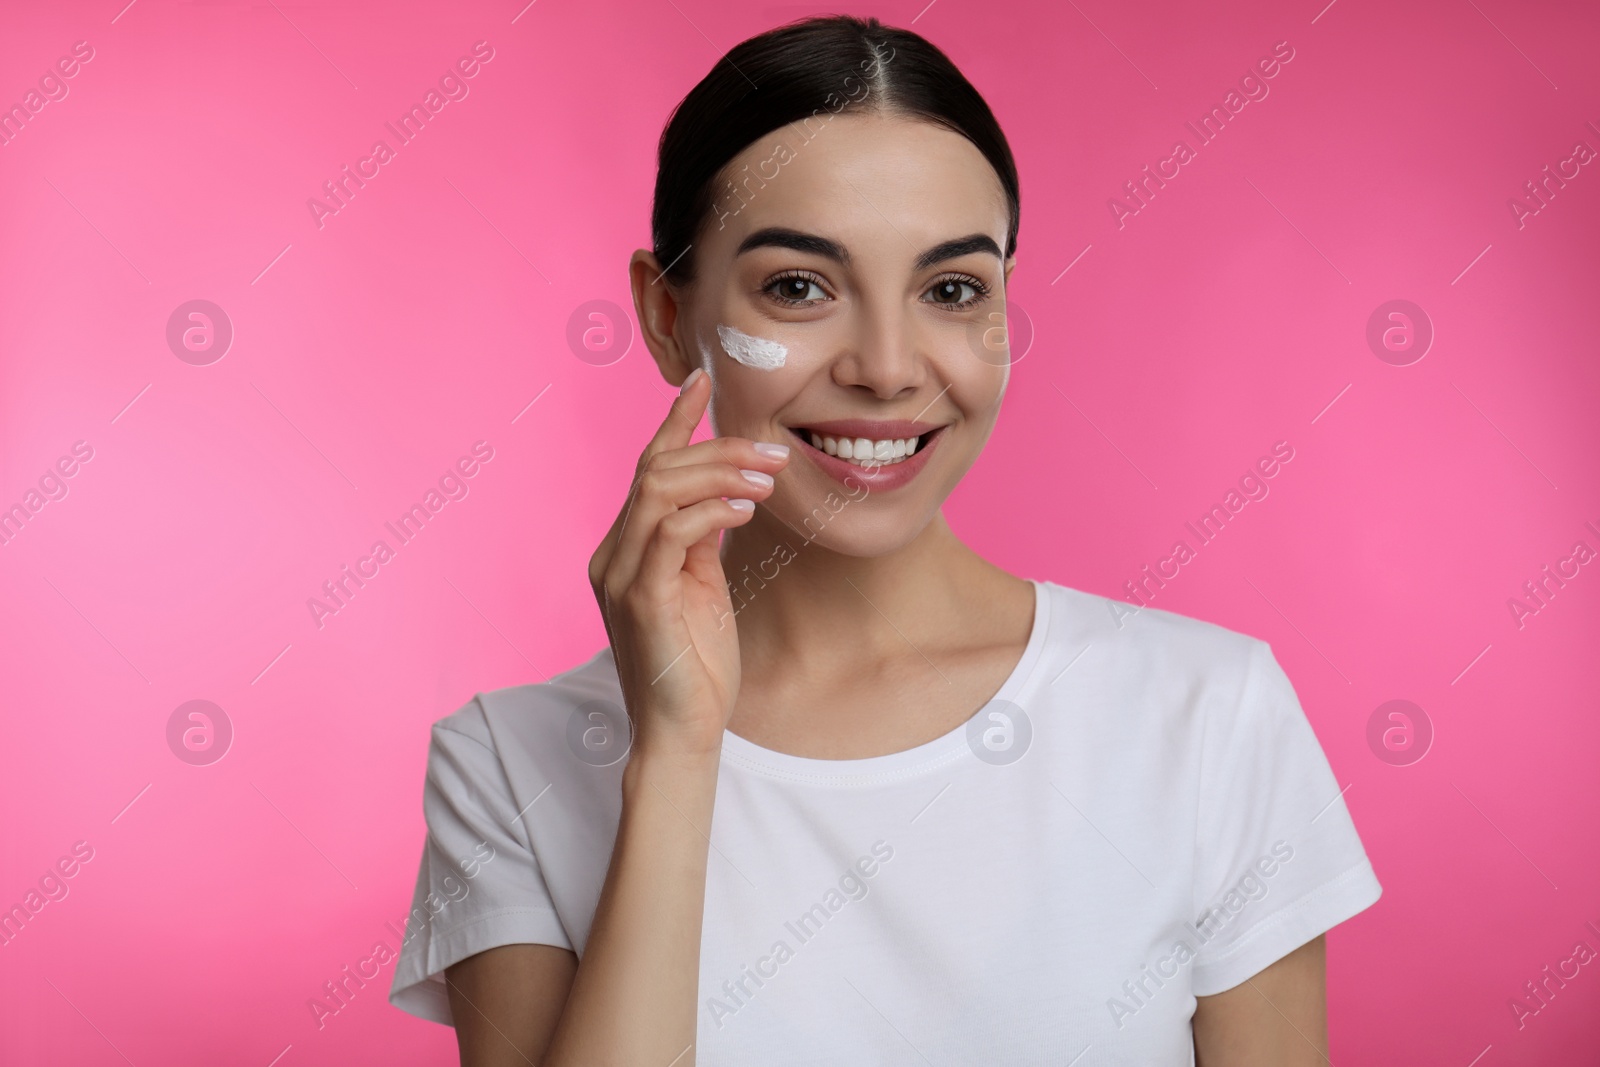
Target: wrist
<point x="663" y="760"/>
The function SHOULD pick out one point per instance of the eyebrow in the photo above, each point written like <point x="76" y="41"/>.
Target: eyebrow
<point x="779" y="237"/>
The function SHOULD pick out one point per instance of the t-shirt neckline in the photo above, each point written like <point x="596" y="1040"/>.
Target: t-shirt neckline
<point x="907" y="762"/>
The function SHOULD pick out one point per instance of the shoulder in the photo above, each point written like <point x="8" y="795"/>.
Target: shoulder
<point x="1150" y="644"/>
<point x="524" y="738"/>
<point x="532" y="708"/>
<point x="1150" y="682"/>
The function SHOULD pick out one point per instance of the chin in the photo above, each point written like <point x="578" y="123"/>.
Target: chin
<point x="859" y="526"/>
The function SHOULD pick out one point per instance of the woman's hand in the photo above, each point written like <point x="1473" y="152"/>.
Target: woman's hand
<point x="631" y="997"/>
<point x="658" y="577"/>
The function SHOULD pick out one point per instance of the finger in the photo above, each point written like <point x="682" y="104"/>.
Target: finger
<point x="660" y="493"/>
<point x="739" y="451"/>
<point x="703" y="563"/>
<point x="683" y="415"/>
<point x="664" y="557"/>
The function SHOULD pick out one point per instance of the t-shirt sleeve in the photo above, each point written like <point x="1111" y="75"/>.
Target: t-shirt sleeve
<point x="1278" y="860"/>
<point x="479" y="884"/>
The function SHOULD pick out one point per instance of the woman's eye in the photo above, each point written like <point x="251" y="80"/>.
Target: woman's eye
<point x="954" y="292"/>
<point x="796" y="290"/>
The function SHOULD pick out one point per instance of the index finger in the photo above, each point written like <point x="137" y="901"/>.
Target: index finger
<point x="683" y="415"/>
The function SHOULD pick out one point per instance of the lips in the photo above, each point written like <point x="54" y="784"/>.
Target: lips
<point x="897" y="450"/>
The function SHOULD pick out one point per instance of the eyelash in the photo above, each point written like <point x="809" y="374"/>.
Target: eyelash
<point x="978" y="287"/>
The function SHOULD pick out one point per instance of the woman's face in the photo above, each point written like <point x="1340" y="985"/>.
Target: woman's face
<point x="851" y="293"/>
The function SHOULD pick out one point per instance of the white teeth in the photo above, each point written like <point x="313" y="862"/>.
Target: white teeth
<point x="863" y="452"/>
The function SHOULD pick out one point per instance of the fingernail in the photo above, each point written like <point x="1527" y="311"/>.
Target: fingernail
<point x="757" y="479"/>
<point x="742" y="505"/>
<point x="693" y="377"/>
<point x="772" y="451"/>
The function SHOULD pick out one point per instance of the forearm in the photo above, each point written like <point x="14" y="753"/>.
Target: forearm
<point x="633" y="999"/>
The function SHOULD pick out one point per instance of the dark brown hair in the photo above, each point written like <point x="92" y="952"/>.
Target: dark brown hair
<point x="793" y="73"/>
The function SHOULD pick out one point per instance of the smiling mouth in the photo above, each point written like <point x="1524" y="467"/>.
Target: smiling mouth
<point x="866" y="452"/>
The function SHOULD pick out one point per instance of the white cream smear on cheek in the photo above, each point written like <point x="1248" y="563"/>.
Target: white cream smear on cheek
<point x="755" y="352"/>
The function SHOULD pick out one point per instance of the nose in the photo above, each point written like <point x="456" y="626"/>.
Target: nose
<point x="882" y="356"/>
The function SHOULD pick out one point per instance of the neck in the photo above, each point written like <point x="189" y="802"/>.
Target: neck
<point x="796" y="599"/>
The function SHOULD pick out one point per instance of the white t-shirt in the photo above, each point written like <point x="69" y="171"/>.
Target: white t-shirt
<point x="1140" y="816"/>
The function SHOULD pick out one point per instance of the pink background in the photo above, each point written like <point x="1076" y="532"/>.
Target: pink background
<point x="1228" y="314"/>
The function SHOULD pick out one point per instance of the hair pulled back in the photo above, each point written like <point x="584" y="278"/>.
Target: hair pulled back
<point x="804" y="72"/>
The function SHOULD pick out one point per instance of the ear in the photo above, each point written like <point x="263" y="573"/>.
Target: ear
<point x="657" y="306"/>
<point x="1009" y="266"/>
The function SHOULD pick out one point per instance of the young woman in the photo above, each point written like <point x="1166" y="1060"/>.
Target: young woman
<point x="840" y="790"/>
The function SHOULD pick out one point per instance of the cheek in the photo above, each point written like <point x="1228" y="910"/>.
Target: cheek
<point x="757" y="353"/>
<point x="977" y="388"/>
<point x="744" y="402"/>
